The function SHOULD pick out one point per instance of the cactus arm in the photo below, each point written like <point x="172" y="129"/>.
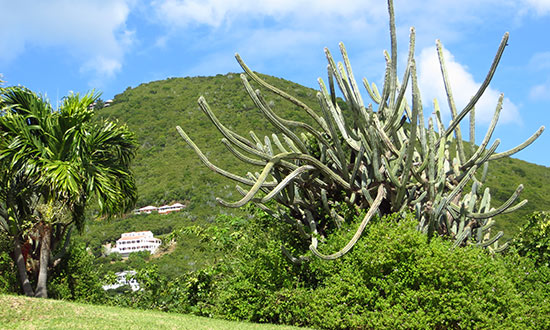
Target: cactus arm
<point x="485" y="203"/>
<point x="504" y="208"/>
<point x="492" y="240"/>
<point x="267" y="143"/>
<point x="519" y="147"/>
<point x="462" y="236"/>
<point x="460" y="186"/>
<point x="278" y="142"/>
<point x="488" y="135"/>
<point x="335" y="73"/>
<point x="214" y="167"/>
<point x="382" y="106"/>
<point x="431" y="160"/>
<point x="412" y="139"/>
<point x="322" y="167"/>
<point x="483" y="86"/>
<point x="330" y="113"/>
<point x="269" y="115"/>
<point x="401" y="95"/>
<point x="384" y="137"/>
<point x="372" y="211"/>
<point x="373" y="93"/>
<point x="440" y="126"/>
<point x="254" y="190"/>
<point x="331" y="85"/>
<point x="358" y="157"/>
<point x="488" y="153"/>
<point x="229" y="134"/>
<point x="393" y="61"/>
<point x="298" y="124"/>
<point x="451" y="101"/>
<point x="326" y="108"/>
<point x="242" y="157"/>
<point x="279" y="92"/>
<point x="473" y="127"/>
<point x="286" y="181"/>
<point x="295" y="260"/>
<point x="357" y="95"/>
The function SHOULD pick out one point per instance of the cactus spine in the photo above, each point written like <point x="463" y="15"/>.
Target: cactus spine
<point x="380" y="157"/>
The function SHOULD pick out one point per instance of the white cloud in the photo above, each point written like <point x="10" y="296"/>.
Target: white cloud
<point x="216" y="12"/>
<point x="463" y="88"/>
<point x="541" y="7"/>
<point x="540" y="92"/>
<point x="92" y="31"/>
<point x="540" y="61"/>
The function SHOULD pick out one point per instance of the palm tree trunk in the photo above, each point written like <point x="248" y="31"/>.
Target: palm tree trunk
<point x="22" y="268"/>
<point x="41" y="289"/>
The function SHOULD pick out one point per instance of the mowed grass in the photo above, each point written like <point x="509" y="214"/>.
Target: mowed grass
<point x="18" y="312"/>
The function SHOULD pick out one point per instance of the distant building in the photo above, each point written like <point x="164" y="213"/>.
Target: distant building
<point x="123" y="278"/>
<point x="146" y="210"/>
<point x="107" y="103"/>
<point x="135" y="242"/>
<point x="165" y="209"/>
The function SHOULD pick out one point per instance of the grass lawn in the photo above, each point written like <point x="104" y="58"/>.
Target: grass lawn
<point x="18" y="312"/>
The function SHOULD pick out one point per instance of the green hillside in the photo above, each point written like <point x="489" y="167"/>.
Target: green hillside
<point x="168" y="170"/>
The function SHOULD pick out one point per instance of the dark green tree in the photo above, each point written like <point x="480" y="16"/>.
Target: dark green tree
<point x="53" y="163"/>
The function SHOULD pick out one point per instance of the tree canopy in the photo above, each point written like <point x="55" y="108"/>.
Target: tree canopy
<point x="53" y="163"/>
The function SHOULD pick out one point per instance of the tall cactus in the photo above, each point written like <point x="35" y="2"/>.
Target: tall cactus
<point x="379" y="158"/>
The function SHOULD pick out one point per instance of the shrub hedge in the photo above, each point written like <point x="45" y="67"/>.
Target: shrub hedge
<point x="393" y="278"/>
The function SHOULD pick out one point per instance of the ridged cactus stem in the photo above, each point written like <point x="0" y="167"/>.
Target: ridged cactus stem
<point x="451" y="101"/>
<point x="456" y="121"/>
<point x="519" y="147"/>
<point x="488" y="135"/>
<point x="279" y="92"/>
<point x="372" y="211"/>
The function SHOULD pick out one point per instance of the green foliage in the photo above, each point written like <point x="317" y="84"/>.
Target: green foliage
<point x="533" y="239"/>
<point x="392" y="279"/>
<point x="76" y="278"/>
<point x="188" y="293"/>
<point x="53" y="161"/>
<point x="8" y="280"/>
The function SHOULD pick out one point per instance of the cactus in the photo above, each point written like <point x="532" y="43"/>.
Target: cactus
<point x="379" y="158"/>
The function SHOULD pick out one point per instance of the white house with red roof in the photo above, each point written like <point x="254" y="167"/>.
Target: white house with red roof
<point x="135" y="242"/>
<point x="165" y="209"/>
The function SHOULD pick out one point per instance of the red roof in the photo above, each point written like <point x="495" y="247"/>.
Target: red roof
<point x="127" y="238"/>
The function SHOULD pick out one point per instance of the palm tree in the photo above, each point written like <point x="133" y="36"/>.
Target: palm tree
<point x="69" y="159"/>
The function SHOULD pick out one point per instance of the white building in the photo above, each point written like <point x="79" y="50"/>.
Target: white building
<point x="135" y="242"/>
<point x="165" y="209"/>
<point x="146" y="210"/>
<point x="124" y="278"/>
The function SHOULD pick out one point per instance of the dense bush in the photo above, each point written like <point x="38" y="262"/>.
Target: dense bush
<point x="392" y="279"/>
<point x="8" y="271"/>
<point x="76" y="278"/>
<point x="186" y="294"/>
<point x="533" y="239"/>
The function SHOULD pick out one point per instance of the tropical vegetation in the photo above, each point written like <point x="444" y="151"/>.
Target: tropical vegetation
<point x="54" y="163"/>
<point x="398" y="208"/>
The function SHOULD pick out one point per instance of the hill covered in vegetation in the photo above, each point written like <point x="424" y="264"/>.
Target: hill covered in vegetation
<point x="168" y="170"/>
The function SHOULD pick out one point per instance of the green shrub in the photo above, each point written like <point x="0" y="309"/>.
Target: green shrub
<point x="76" y="277"/>
<point x="393" y="278"/>
<point x="8" y="279"/>
<point x="533" y="239"/>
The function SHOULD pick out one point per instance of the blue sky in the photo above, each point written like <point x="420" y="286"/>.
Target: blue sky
<point x="58" y="46"/>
